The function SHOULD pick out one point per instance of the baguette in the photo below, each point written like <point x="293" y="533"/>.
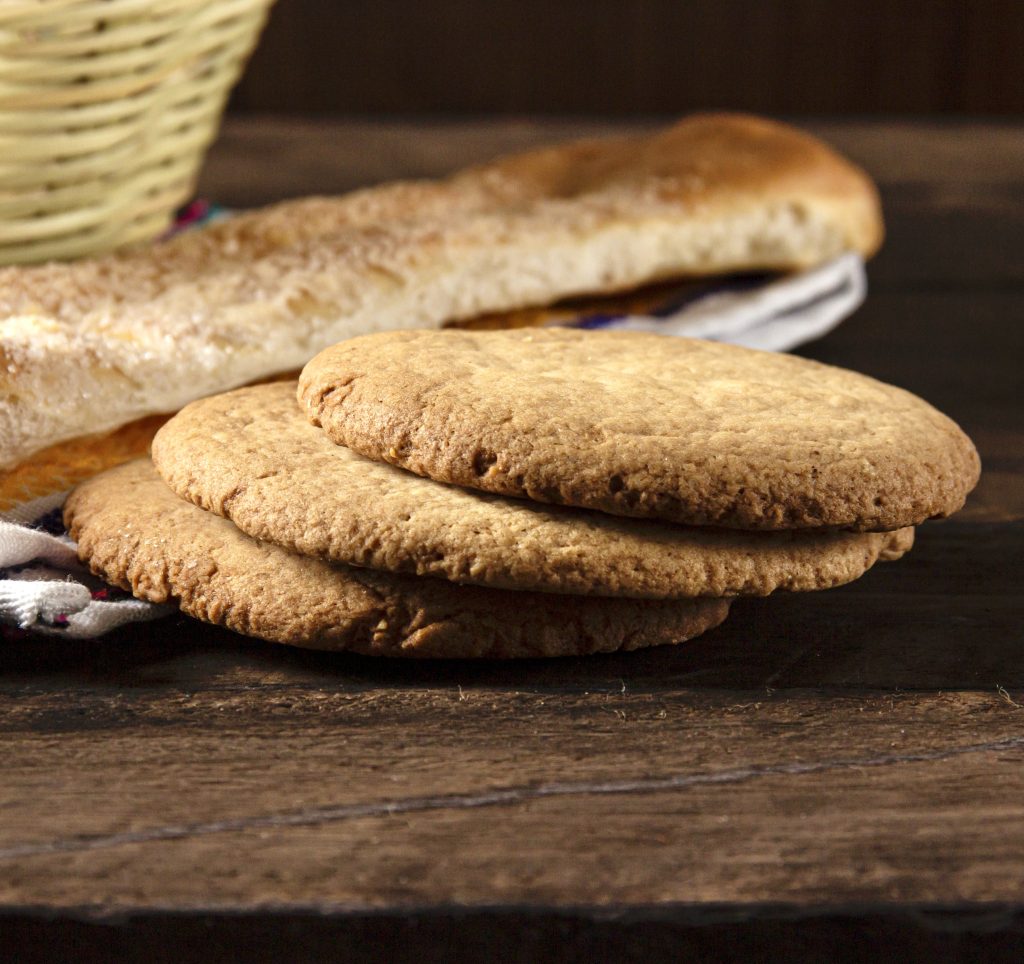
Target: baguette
<point x="89" y="346"/>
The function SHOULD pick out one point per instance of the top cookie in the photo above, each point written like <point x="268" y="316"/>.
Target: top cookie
<point x="644" y="425"/>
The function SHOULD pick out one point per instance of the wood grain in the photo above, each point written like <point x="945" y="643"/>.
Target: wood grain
<point x="822" y="776"/>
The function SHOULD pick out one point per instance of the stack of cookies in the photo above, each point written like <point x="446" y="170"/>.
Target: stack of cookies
<point x="520" y="493"/>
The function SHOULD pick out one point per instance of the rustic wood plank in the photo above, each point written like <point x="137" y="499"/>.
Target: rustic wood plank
<point x="611" y="798"/>
<point x="257" y="160"/>
<point x="803" y="733"/>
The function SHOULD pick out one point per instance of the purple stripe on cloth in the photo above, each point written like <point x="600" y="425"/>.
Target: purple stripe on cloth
<point x="686" y="297"/>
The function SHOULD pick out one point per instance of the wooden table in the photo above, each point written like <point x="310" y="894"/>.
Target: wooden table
<point x="831" y="775"/>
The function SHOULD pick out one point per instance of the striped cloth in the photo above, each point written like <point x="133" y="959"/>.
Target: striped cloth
<point x="43" y="587"/>
<point x="756" y="311"/>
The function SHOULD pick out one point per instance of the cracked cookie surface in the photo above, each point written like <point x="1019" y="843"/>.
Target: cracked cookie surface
<point x="644" y="425"/>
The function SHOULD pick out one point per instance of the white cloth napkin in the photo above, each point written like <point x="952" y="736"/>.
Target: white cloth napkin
<point x="766" y="312"/>
<point x="44" y="589"/>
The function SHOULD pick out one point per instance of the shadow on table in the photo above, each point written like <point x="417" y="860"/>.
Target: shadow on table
<point x="931" y="621"/>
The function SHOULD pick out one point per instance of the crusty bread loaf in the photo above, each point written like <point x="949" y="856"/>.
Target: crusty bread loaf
<point x="89" y="346"/>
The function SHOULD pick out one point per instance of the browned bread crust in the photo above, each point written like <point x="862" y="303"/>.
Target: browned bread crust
<point x="89" y="346"/>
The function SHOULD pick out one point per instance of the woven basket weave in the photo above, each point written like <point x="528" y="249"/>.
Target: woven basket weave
<point x="106" y="110"/>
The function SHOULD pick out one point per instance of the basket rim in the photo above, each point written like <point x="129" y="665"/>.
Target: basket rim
<point x="70" y="13"/>
<point x="107" y="108"/>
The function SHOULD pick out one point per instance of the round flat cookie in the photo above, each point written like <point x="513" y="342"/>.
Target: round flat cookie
<point x="134" y="532"/>
<point x="252" y="456"/>
<point x="644" y="425"/>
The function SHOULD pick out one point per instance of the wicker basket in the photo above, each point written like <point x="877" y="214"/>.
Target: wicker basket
<point x="106" y="110"/>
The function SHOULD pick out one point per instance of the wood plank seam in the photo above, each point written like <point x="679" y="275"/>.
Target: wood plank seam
<point x="508" y="796"/>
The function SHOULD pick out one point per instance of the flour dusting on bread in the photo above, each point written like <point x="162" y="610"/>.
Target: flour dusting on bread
<point x="88" y="346"/>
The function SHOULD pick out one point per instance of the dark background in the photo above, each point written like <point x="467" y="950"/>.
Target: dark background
<point x="625" y="57"/>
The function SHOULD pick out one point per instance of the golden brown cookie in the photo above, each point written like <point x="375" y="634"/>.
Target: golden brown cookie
<point x="252" y="456"/>
<point x="644" y="425"/>
<point x="134" y="532"/>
